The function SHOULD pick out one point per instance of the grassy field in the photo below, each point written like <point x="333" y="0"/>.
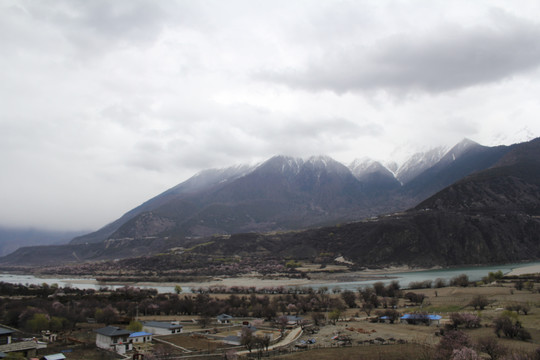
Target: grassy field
<point x="387" y="352"/>
<point x="419" y="338"/>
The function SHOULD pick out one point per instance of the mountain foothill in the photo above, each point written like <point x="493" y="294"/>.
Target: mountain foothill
<point x="470" y="204"/>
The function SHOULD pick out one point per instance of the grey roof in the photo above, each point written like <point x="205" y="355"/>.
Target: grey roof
<point x="19" y="346"/>
<point x="224" y="316"/>
<point x="112" y="331"/>
<point x="58" y="356"/>
<point x="5" y="331"/>
<point x="162" y="325"/>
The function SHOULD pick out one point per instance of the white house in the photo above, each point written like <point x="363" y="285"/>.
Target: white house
<point x="114" y="339"/>
<point x="162" y="327"/>
<point x="140" y="337"/>
<point x="224" y="319"/>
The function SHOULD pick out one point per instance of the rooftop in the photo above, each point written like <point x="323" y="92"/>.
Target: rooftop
<point x="162" y="325"/>
<point x="112" y="331"/>
<point x="54" y="357"/>
<point x="139" y="333"/>
<point x="5" y="331"/>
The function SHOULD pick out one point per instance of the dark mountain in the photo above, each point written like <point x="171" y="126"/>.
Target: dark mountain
<point x="492" y="216"/>
<point x="280" y="194"/>
<point x="463" y="159"/>
<point x="206" y="179"/>
<point x="418" y="163"/>
<point x="287" y="193"/>
<point x="377" y="178"/>
<point x="13" y="238"/>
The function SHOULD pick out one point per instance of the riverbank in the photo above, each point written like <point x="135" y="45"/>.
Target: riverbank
<point x="329" y="278"/>
<point x="533" y="269"/>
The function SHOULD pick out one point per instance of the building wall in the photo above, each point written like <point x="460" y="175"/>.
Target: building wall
<point x="160" y="331"/>
<point x="141" y="339"/>
<point x="119" y="345"/>
<point x="6" y="339"/>
<point x="103" y="342"/>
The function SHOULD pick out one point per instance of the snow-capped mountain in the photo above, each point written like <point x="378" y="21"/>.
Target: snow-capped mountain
<point x="459" y="225"/>
<point x="418" y="163"/>
<point x="364" y="167"/>
<point x="285" y="193"/>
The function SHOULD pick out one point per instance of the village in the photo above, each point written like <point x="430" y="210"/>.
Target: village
<point x="41" y="322"/>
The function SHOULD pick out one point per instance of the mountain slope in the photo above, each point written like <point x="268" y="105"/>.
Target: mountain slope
<point x="491" y="216"/>
<point x="463" y="159"/>
<point x="285" y="193"/>
<point x="376" y="177"/>
<point x="418" y="163"/>
<point x="200" y="182"/>
<point x="281" y="193"/>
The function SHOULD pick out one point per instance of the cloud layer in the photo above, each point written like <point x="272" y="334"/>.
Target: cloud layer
<point x="104" y="104"/>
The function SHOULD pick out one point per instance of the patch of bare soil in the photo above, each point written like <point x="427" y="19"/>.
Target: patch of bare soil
<point x="364" y="332"/>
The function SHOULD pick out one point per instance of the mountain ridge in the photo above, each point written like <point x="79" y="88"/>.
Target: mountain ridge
<point x="489" y="216"/>
<point x="286" y="193"/>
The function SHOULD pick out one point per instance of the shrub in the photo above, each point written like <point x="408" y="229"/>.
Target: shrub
<point x="492" y="347"/>
<point x="439" y="283"/>
<point x="479" y="302"/>
<point x="465" y="353"/>
<point x="460" y="280"/>
<point x="510" y="329"/>
<point x="517" y="307"/>
<point x="349" y="298"/>
<point x="452" y="340"/>
<point x="470" y="321"/>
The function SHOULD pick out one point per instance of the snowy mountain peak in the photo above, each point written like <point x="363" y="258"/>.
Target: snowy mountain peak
<point x="282" y="164"/>
<point x="365" y="166"/>
<point x="461" y="147"/>
<point x="324" y="162"/>
<point x="362" y="163"/>
<point x="419" y="162"/>
<point x="210" y="177"/>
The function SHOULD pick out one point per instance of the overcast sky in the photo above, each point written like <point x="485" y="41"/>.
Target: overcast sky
<point x="105" y="104"/>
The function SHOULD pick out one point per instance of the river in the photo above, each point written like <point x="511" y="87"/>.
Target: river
<point x="404" y="279"/>
<point x="475" y="273"/>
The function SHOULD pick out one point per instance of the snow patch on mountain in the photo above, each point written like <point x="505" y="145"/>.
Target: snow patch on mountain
<point x="419" y="162"/>
<point x="366" y="166"/>
<point x="326" y="163"/>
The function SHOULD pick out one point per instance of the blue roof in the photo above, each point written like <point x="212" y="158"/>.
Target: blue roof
<point x="140" y="333"/>
<point x="421" y="316"/>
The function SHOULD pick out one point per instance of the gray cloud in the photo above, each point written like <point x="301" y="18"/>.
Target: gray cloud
<point x="104" y="104"/>
<point x="448" y="58"/>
